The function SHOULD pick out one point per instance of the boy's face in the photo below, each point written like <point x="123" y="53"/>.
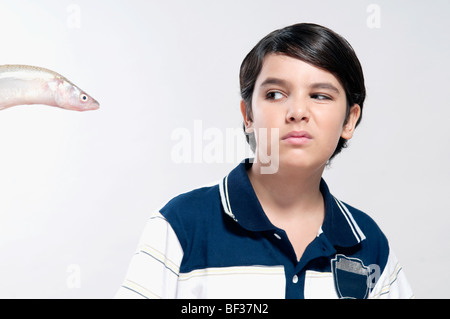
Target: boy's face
<point x="307" y="106"/>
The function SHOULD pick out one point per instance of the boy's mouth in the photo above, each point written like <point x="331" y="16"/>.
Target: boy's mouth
<point x="297" y="137"/>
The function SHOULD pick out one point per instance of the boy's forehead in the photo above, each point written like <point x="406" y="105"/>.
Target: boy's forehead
<point x="293" y="71"/>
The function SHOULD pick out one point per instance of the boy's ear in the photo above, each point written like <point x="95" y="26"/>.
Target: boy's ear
<point x="248" y="124"/>
<point x="350" y="125"/>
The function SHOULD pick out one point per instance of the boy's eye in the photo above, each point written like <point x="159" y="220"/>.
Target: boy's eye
<point x="320" y="97"/>
<point x="274" y="95"/>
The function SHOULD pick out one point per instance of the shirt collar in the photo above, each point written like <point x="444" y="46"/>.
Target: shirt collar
<point x="239" y="201"/>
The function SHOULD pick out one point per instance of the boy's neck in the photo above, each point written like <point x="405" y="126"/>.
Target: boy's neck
<point x="288" y="190"/>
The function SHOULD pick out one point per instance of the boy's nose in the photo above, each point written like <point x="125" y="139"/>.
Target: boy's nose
<point x="298" y="112"/>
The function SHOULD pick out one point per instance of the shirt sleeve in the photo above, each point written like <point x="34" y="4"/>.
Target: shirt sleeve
<point x="154" y="269"/>
<point x="392" y="283"/>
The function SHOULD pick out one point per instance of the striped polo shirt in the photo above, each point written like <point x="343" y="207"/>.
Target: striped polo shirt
<point x="217" y="242"/>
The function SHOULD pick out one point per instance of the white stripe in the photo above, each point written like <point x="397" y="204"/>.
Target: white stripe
<point x="319" y="285"/>
<point x="392" y="283"/>
<point x="237" y="282"/>
<point x="224" y="197"/>
<point x="320" y="231"/>
<point x="153" y="271"/>
<point x="357" y="232"/>
<point x="355" y="224"/>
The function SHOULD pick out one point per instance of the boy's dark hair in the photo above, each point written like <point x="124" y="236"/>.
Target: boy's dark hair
<point x="313" y="44"/>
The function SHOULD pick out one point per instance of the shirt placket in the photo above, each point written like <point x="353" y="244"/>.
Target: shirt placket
<point x="295" y="270"/>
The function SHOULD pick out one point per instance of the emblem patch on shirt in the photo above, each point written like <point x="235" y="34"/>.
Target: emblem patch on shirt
<point x="350" y="277"/>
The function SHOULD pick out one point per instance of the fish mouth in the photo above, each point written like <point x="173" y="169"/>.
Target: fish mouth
<point x="84" y="108"/>
<point x="94" y="106"/>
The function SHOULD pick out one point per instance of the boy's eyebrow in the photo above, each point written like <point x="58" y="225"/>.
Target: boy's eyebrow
<point x="324" y="85"/>
<point x="317" y="85"/>
<point x="275" y="81"/>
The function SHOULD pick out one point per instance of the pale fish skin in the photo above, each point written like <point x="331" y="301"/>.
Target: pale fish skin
<point x="26" y="84"/>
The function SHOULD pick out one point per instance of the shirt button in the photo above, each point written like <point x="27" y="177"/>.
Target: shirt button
<point x="277" y="236"/>
<point x="295" y="279"/>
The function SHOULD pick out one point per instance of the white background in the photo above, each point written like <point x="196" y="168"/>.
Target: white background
<point x="77" y="188"/>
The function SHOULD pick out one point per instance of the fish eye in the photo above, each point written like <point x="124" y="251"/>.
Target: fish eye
<point x="83" y="97"/>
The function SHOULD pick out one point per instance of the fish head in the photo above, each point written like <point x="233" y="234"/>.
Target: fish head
<point x="73" y="98"/>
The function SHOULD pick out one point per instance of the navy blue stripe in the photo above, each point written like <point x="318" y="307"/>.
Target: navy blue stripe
<point x="147" y="253"/>
<point x="135" y="292"/>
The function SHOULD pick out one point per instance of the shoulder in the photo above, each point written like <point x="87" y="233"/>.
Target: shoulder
<point x="192" y="203"/>
<point x="366" y="223"/>
<point x="194" y="211"/>
<point x="386" y="277"/>
<point x="375" y="245"/>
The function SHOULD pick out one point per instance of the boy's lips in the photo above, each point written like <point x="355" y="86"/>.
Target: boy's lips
<point x="297" y="137"/>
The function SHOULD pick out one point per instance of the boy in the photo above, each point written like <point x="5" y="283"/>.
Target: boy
<point x="271" y="228"/>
